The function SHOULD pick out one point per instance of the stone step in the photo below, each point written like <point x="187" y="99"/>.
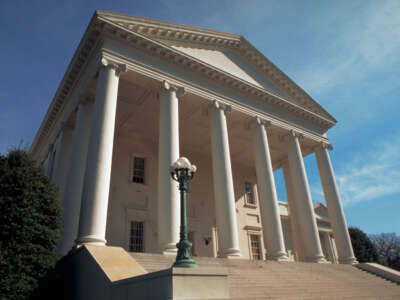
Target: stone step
<point x="257" y="280"/>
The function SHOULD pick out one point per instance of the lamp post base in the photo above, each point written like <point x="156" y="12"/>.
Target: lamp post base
<point x="184" y="257"/>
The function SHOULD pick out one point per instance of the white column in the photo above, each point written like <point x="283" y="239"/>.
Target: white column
<point x="168" y="153"/>
<point x="294" y="227"/>
<point x="76" y="172"/>
<point x="61" y="160"/>
<point x="329" y="247"/>
<point x="304" y="207"/>
<point x="270" y="216"/>
<point x="224" y="196"/>
<point x="335" y="209"/>
<point x="96" y="187"/>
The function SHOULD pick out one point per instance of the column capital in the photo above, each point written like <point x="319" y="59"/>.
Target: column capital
<point x="328" y="146"/>
<point x="219" y="105"/>
<point x="256" y="122"/>
<point x="296" y="134"/>
<point x="119" y="68"/>
<point x="166" y="86"/>
<point x="323" y="145"/>
<point x="263" y="122"/>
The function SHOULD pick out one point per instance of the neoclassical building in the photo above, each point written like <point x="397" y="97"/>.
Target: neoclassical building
<point x="140" y="93"/>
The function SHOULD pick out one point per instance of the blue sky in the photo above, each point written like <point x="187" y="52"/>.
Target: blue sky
<point x="345" y="54"/>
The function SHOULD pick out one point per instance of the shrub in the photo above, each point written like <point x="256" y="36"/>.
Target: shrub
<point x="29" y="225"/>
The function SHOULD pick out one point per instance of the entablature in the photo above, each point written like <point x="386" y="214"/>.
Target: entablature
<point x="101" y="27"/>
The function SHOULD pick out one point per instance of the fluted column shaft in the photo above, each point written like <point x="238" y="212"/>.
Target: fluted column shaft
<point x="223" y="184"/>
<point x="335" y="209"/>
<point x="94" y="204"/>
<point x="305" y="211"/>
<point x="76" y="172"/>
<point x="270" y="217"/>
<point x="168" y="153"/>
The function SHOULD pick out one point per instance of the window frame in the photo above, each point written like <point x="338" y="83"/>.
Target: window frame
<point x="132" y="169"/>
<point x="253" y="193"/>
<point x="143" y="235"/>
<point x="250" y="230"/>
<point x="258" y="237"/>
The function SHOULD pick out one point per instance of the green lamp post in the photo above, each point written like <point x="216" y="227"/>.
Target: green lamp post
<point x="182" y="171"/>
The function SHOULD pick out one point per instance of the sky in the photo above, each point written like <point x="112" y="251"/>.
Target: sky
<point x="344" y="54"/>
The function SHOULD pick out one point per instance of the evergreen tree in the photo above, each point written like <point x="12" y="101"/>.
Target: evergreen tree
<point x="29" y="225"/>
<point x="364" y="248"/>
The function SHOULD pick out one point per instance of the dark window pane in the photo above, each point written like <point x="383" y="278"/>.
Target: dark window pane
<point x="138" y="170"/>
<point x="136" y="237"/>
<point x="249" y="193"/>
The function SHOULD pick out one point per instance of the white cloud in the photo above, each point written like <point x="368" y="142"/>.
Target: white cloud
<point x="372" y="175"/>
<point x="368" y="43"/>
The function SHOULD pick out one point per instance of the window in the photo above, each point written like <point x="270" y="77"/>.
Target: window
<point x="136" y="237"/>
<point x="138" y="170"/>
<point x="249" y="193"/>
<point x="255" y="246"/>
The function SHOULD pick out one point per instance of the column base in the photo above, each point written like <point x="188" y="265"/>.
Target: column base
<point x="319" y="260"/>
<point x="90" y="240"/>
<point x="280" y="256"/>
<point x="169" y="249"/>
<point x="231" y="253"/>
<point x="348" y="261"/>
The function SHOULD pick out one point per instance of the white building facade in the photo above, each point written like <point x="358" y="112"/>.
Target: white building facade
<point x="140" y="93"/>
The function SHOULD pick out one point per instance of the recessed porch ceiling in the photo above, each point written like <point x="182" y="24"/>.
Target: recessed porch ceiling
<point x="138" y="115"/>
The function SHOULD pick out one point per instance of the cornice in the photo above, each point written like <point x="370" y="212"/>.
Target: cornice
<point x="100" y="25"/>
<point x="193" y="35"/>
<point x="162" y="50"/>
<point x="211" y="96"/>
<point x="296" y="93"/>
<point x="78" y="62"/>
<point x="169" y="30"/>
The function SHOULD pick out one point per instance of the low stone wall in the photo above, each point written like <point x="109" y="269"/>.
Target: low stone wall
<point x="382" y="271"/>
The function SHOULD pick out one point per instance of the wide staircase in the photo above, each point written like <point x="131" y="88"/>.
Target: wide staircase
<point x="256" y="280"/>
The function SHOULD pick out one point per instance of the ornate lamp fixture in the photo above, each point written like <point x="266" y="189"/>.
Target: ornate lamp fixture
<point x="182" y="171"/>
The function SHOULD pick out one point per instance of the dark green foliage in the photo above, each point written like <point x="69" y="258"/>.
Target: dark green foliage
<point x="30" y="219"/>
<point x="364" y="248"/>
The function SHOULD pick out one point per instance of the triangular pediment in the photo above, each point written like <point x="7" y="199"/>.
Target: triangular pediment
<point x="231" y="62"/>
<point x="229" y="53"/>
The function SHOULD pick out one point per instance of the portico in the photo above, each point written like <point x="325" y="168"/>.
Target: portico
<point x="141" y="101"/>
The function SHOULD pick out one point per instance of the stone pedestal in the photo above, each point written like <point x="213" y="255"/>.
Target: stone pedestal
<point x="175" y="283"/>
<point x="105" y="273"/>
